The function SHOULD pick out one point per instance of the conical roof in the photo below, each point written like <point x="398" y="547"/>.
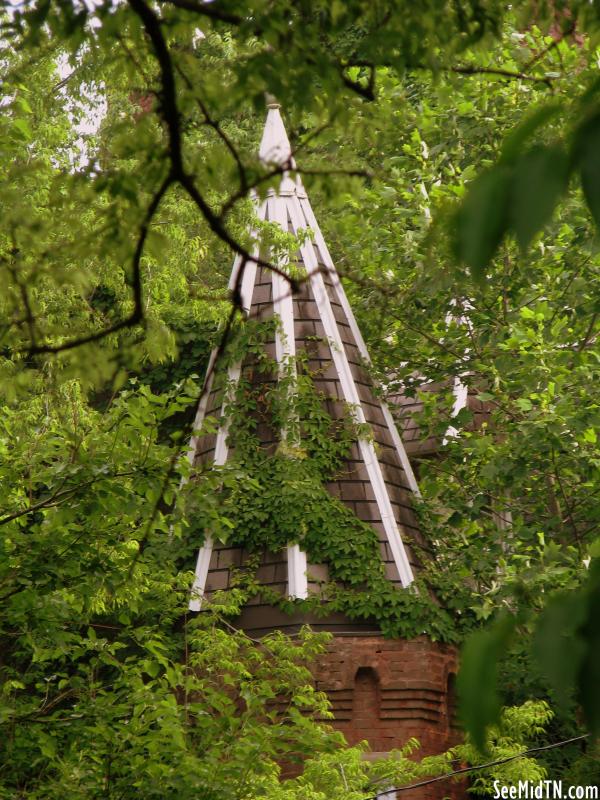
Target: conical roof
<point x="377" y="483"/>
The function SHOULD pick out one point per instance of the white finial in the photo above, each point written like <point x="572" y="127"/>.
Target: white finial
<point x="275" y="146"/>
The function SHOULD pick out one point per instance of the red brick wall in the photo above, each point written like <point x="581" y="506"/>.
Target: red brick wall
<point x="387" y="691"/>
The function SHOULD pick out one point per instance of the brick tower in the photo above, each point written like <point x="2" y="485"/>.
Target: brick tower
<point x="382" y="690"/>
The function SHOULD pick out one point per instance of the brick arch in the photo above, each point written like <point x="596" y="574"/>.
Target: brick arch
<point x="366" y="703"/>
<point x="366" y="672"/>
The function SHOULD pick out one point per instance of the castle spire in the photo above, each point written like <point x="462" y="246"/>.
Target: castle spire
<point x="378" y="481"/>
<point x="385" y="690"/>
<point x="275" y="146"/>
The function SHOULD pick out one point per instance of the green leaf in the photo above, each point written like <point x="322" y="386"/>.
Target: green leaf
<point x="567" y="646"/>
<point x="152" y="667"/>
<point x="513" y="144"/>
<point x="556" y="646"/>
<point x="47" y="745"/>
<point x="479" y="702"/>
<point x="524" y="404"/>
<point x="594" y="548"/>
<point x="590" y="436"/>
<point x="23" y="128"/>
<point x="24" y="105"/>
<point x="589" y="685"/>
<point x="541" y="176"/>
<point x="482" y="219"/>
<point x="587" y="150"/>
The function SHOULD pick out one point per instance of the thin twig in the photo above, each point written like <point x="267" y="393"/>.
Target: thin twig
<point x="545" y="50"/>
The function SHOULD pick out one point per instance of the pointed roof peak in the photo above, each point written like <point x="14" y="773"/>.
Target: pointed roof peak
<point x="376" y="481"/>
<point x="275" y="146"/>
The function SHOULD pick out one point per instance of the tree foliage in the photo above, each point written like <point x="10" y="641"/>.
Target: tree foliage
<point x="462" y="209"/>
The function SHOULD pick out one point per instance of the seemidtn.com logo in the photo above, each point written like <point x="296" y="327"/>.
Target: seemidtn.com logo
<point x="544" y="790"/>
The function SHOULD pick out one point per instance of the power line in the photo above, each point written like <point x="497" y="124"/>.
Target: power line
<point x="463" y="770"/>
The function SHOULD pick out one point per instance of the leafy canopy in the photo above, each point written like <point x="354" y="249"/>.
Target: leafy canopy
<point x="461" y="206"/>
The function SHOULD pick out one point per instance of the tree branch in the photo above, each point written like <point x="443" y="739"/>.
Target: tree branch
<point x="60" y="494"/>
<point x="366" y="92"/>
<point x="545" y="50"/>
<point x="170" y="114"/>
<point x="474" y="69"/>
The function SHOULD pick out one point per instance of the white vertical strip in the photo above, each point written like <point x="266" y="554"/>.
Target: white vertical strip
<point x="246" y="295"/>
<point x="283" y="304"/>
<point x="221" y="448"/>
<point x="201" y="574"/>
<point x="297" y="580"/>
<point x="237" y="264"/>
<point x="221" y="451"/>
<point x="360" y="342"/>
<point x="201" y="412"/>
<point x="285" y="349"/>
<point x="351" y="396"/>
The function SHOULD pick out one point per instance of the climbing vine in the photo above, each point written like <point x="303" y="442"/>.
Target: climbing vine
<point x="280" y="494"/>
